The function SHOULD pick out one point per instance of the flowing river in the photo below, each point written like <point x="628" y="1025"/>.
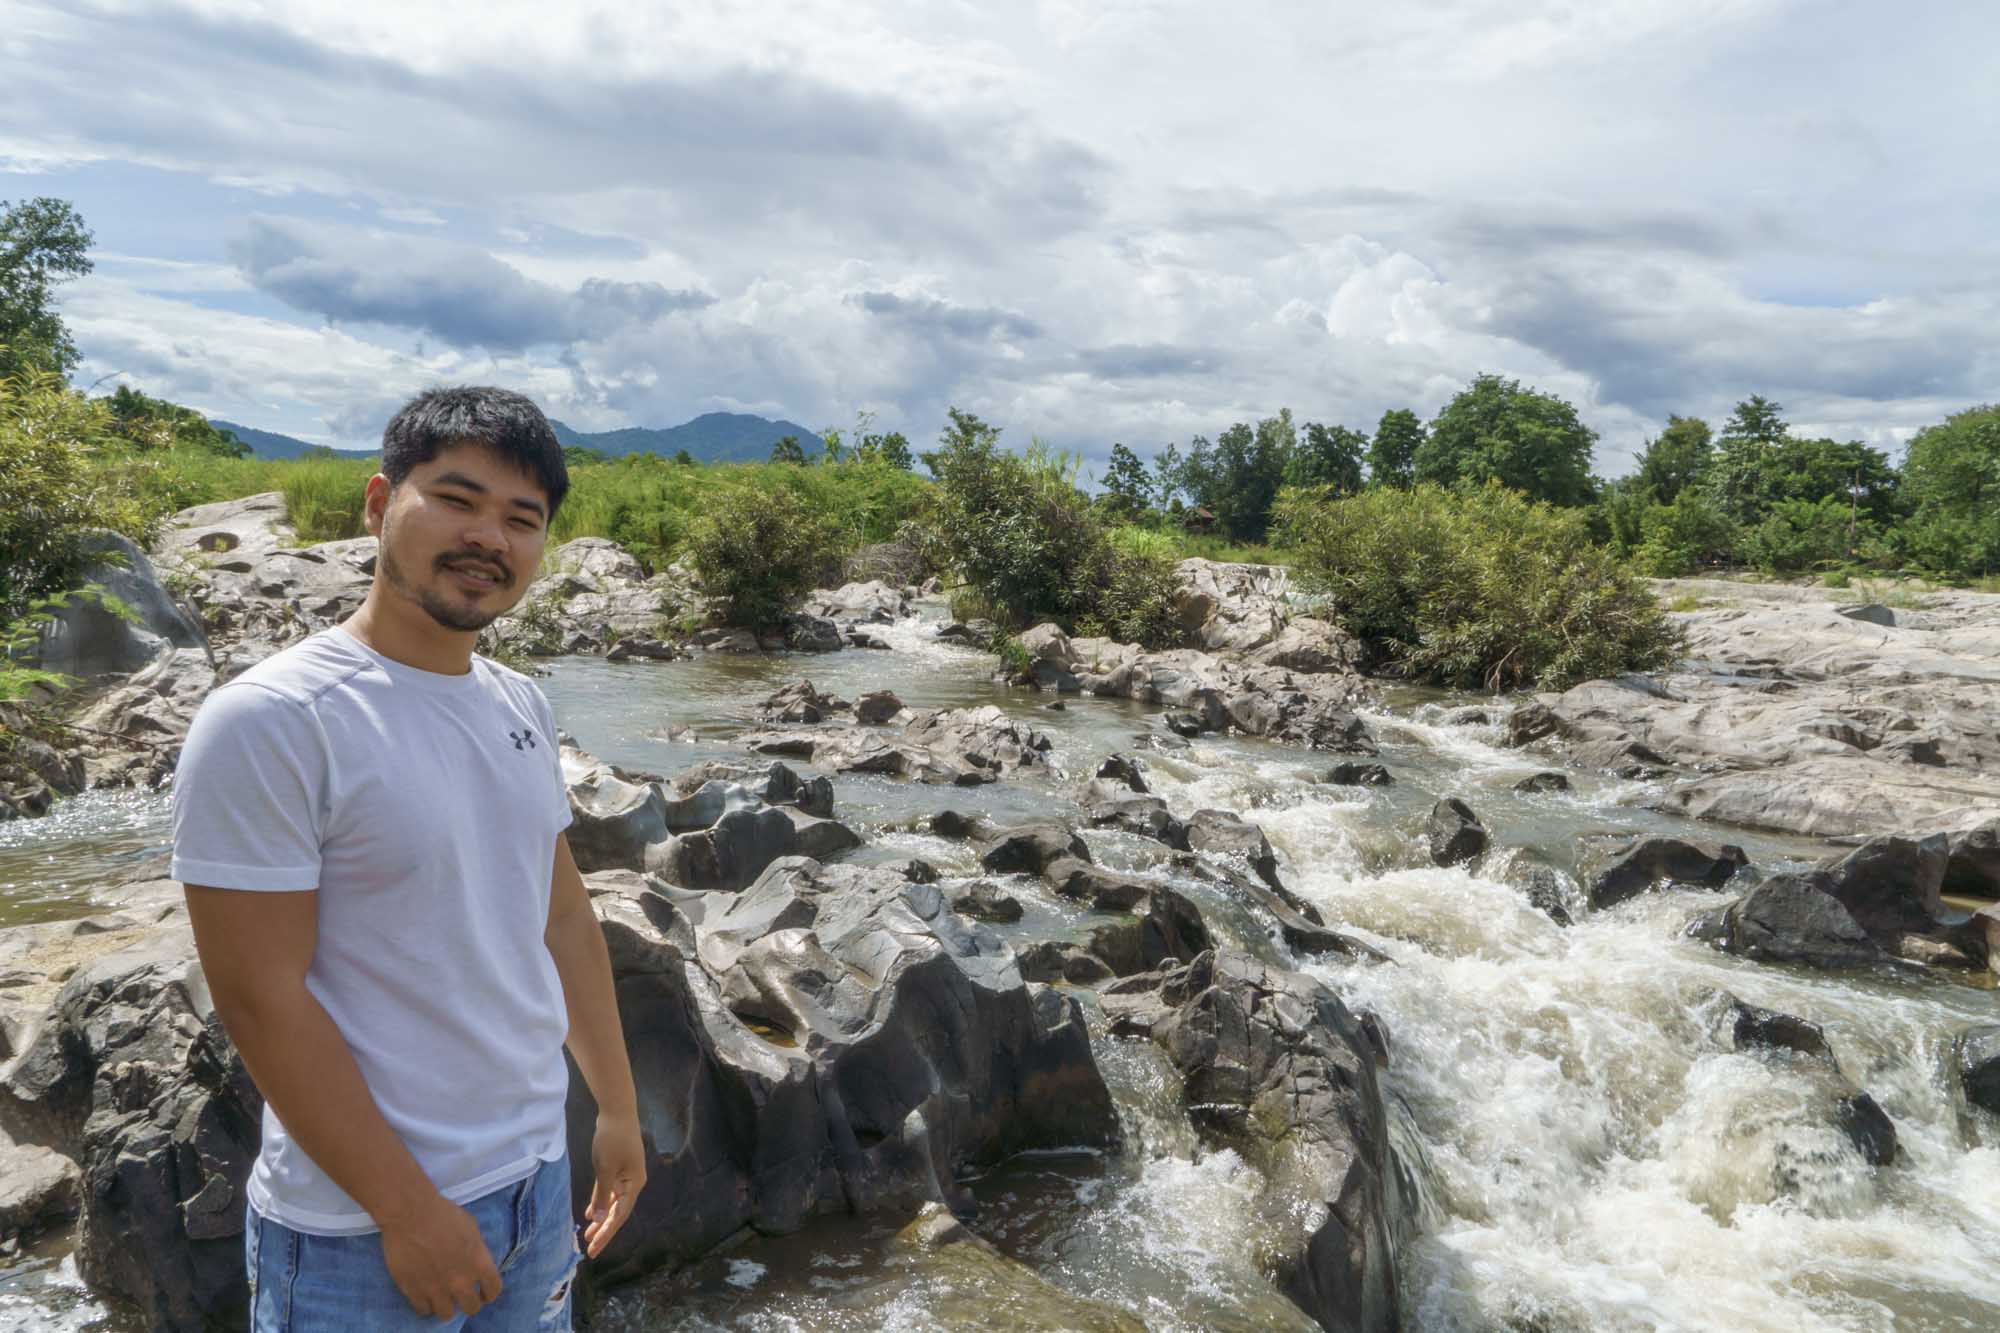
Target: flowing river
<point x="1590" y="1154"/>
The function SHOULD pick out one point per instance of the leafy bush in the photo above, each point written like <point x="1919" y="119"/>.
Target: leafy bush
<point x="1682" y="536"/>
<point x="758" y="552"/>
<point x="1478" y="589"/>
<point x="1136" y="602"/>
<point x="1799" y="535"/>
<point x="1014" y="527"/>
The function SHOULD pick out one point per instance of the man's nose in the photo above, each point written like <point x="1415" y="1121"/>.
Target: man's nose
<point x="486" y="531"/>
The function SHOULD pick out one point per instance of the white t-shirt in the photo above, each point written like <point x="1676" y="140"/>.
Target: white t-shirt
<point x="424" y="808"/>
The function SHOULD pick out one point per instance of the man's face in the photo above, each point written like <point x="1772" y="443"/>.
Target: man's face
<point x="461" y="536"/>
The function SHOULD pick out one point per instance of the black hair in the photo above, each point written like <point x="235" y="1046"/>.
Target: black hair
<point x="502" y="420"/>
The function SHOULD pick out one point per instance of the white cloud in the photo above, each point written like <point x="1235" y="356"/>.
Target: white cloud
<point x="1129" y="219"/>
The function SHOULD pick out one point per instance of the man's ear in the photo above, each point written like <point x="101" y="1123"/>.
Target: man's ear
<point x="376" y="504"/>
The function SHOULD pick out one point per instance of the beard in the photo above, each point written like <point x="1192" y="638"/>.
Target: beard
<point x="462" y="616"/>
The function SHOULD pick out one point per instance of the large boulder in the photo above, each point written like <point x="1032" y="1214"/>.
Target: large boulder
<point x="613" y="818"/>
<point x="133" y="1076"/>
<point x="85" y="639"/>
<point x="1278" y="1070"/>
<point x="1454" y="834"/>
<point x="833" y="1040"/>
<point x="801" y="704"/>
<point x="1230" y="836"/>
<point x="1788" y="919"/>
<point x="1231" y="607"/>
<point x="1973" y="869"/>
<point x="133" y="732"/>
<point x="970" y="1286"/>
<point x="1889" y="883"/>
<point x="1656" y="862"/>
<point x="1792" y="1041"/>
<point x="869" y="603"/>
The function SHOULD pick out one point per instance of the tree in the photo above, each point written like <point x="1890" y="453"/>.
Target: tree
<point x="892" y="449"/>
<point x="1677" y="460"/>
<point x="1198" y="473"/>
<point x="788" y="450"/>
<point x="150" y="422"/>
<point x="683" y="458"/>
<point x="1125" y="478"/>
<point x="963" y="432"/>
<point x="1328" y="456"/>
<point x="1526" y="440"/>
<point x="835" y="444"/>
<point x="1735" y="475"/>
<point x="1951" y="480"/>
<point x="1392" y="454"/>
<point x="43" y="243"/>
<point x="576" y="455"/>
<point x="1167" y="474"/>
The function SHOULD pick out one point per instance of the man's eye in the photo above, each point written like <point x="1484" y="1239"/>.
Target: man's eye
<point x="458" y="500"/>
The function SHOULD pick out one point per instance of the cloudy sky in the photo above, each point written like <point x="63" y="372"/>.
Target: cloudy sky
<point x="1083" y="219"/>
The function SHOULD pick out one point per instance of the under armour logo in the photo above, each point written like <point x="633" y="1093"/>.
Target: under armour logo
<point x="524" y="739"/>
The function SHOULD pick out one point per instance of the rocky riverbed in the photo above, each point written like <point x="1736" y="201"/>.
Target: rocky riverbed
<point x="1220" y="988"/>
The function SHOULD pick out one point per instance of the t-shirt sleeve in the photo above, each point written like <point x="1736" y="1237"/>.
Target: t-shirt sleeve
<point x="564" y="816"/>
<point x="249" y="794"/>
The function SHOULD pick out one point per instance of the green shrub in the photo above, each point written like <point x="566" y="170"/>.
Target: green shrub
<point x="1683" y="536"/>
<point x="1483" y="589"/>
<point x="1015" y="528"/>
<point x="1136" y="602"/>
<point x="1800" y="535"/>
<point x="759" y="551"/>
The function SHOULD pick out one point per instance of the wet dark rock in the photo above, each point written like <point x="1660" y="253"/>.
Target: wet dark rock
<point x="956" y="824"/>
<point x="1544" y="782"/>
<point x="1454" y="833"/>
<point x="913" y="868"/>
<point x="132" y="1076"/>
<point x="1359" y="775"/>
<point x="1226" y="834"/>
<point x="1055" y="961"/>
<point x="1057" y="707"/>
<point x="1545" y="889"/>
<point x="801" y="704"/>
<point x="1124" y="769"/>
<point x="1531" y="722"/>
<point x="972" y="634"/>
<point x="1277" y="1069"/>
<point x="1472" y="715"/>
<point x="836" y="1041"/>
<point x="863" y="639"/>
<point x="1167" y="929"/>
<point x="961" y="747"/>
<point x="1867" y="1127"/>
<point x="1752" y="1028"/>
<point x="1973" y="869"/>
<point x="644" y="650"/>
<point x="1146" y="816"/>
<point x="1188" y="725"/>
<point x="1787" y="919"/>
<point x="1889" y="883"/>
<point x="1300" y="924"/>
<point x="876" y="708"/>
<point x="982" y="900"/>
<point x="811" y="634"/>
<point x="1029" y="849"/>
<point x="1976" y="1057"/>
<point x="1874" y="613"/>
<point x="1105" y="890"/>
<point x="1661" y="862"/>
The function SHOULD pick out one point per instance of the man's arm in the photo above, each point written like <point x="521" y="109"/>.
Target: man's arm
<point x="597" y="1044"/>
<point x="255" y="949"/>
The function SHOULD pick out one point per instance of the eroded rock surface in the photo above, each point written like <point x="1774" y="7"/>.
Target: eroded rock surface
<point x="961" y="746"/>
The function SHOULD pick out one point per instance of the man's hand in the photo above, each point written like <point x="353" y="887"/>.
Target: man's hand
<point x="439" y="1261"/>
<point x="618" y="1164"/>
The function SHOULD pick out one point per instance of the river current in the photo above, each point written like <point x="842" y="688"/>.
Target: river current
<point x="1591" y="1155"/>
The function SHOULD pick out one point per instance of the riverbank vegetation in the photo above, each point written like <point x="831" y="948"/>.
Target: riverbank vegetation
<point x="1410" y="530"/>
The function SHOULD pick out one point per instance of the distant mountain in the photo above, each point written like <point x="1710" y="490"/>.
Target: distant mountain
<point x="268" y="443"/>
<point x="714" y="437"/>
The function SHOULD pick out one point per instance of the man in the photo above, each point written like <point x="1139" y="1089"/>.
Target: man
<point x="370" y="828"/>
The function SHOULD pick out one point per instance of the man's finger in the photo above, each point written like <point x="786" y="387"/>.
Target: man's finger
<point x="466" y="1296"/>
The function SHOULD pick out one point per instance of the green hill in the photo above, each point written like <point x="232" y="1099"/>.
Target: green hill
<point x="714" y="437"/>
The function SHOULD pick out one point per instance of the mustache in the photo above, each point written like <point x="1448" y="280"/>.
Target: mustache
<point x="501" y="573"/>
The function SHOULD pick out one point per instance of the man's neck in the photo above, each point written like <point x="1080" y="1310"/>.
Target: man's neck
<point x="404" y="632"/>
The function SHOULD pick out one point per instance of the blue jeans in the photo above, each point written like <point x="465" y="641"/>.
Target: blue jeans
<point x="339" y="1284"/>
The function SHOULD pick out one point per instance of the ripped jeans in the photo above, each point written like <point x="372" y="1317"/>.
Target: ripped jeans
<point x="301" y="1283"/>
